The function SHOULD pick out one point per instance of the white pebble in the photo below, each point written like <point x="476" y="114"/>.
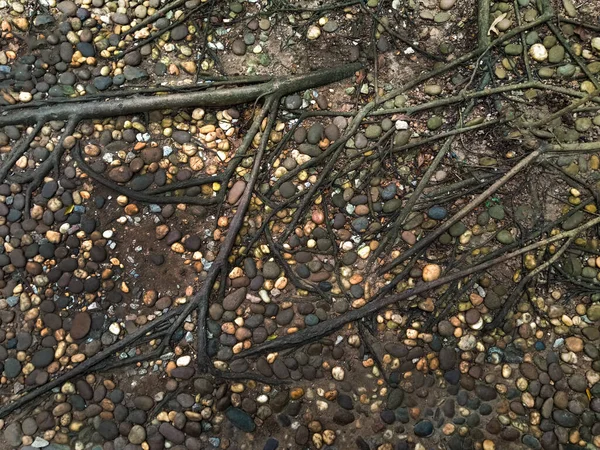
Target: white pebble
<point x="115" y="328"/>
<point x="338" y="373"/>
<point x="183" y="361"/>
<point x="401" y="125"/>
<point x="25" y="97"/>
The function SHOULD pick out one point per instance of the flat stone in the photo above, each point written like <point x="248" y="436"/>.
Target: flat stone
<point x="68" y="8"/>
<point x="42" y="358"/>
<point x="240" y="419"/>
<point x="437" y="213"/>
<point x="179" y="33"/>
<point x="12" y="368"/>
<point x="271" y="270"/>
<point x="485" y="393"/>
<point x="565" y="418"/>
<point x="593" y="312"/>
<point x="573" y="221"/>
<point x="232" y="301"/>
<point x="423" y="428"/>
<point x="236" y="192"/>
<point x="81" y="325"/>
<point x="13" y="434"/>
<point x="120" y="174"/>
<point x="137" y="435"/>
<point x="120" y="18"/>
<point x="447" y="358"/>
<point x="293" y="102"/>
<point x="171" y="433"/>
<point x="108" y="430"/>
<point x="496" y="212"/>
<point x="134" y="73"/>
<point x="343" y="417"/>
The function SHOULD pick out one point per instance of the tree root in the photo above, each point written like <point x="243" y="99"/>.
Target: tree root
<point x="329" y="326"/>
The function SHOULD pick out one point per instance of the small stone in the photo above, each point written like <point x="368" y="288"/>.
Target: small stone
<point x="373" y="131"/>
<point x="497" y="212"/>
<point x="431" y="272"/>
<point x="120" y="174"/>
<point x="313" y="32"/>
<point x="432" y="89"/>
<point x="565" y="418"/>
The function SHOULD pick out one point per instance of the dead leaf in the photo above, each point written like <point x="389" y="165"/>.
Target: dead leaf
<point x="361" y="76"/>
<point x="496" y="21"/>
<point x="582" y="33"/>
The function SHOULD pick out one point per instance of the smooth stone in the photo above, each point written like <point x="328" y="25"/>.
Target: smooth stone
<point x="179" y="33"/>
<point x="373" y="131"/>
<point x="238" y="47"/>
<point x="343" y="417"/>
<point x="447" y="358"/>
<point x="437" y="213"/>
<point x="505" y="237"/>
<point x="496" y="212"/>
<point x="485" y="393"/>
<point x="42" y="358"/>
<point x="293" y="102"/>
<point x="232" y="301"/>
<point x="573" y="221"/>
<point x="12" y="368"/>
<point x="81" y="325"/>
<point x="556" y="54"/>
<point x="171" y="433"/>
<point x="423" y="428"/>
<point x="108" y="430"/>
<point x="271" y="270"/>
<point x="565" y="418"/>
<point x="513" y="49"/>
<point x="457" y="229"/>
<point x="13" y="434"/>
<point x="287" y="189"/>
<point x="434" y="123"/>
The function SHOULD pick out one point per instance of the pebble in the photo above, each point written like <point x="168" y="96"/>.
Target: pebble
<point x="82" y="295"/>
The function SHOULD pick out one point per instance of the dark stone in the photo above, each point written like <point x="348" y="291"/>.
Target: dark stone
<point x="108" y="430"/>
<point x="240" y="419"/>
<point x="42" y="358"/>
<point x="423" y="428"/>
